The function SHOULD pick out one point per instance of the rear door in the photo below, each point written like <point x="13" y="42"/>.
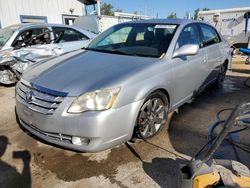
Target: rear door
<point x="189" y="71"/>
<point x="212" y="43"/>
<point x="70" y="39"/>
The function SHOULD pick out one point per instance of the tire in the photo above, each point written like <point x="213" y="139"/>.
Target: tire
<point x="221" y="76"/>
<point x="152" y="117"/>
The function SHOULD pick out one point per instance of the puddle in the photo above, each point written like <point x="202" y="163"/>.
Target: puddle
<point x="78" y="166"/>
<point x="230" y="85"/>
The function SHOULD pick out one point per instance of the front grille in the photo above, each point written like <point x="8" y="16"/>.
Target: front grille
<point x="53" y="136"/>
<point x="37" y="100"/>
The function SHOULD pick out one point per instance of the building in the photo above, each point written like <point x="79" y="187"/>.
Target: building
<point x="50" y="11"/>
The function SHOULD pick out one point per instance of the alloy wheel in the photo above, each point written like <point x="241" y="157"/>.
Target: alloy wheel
<point x="152" y="117"/>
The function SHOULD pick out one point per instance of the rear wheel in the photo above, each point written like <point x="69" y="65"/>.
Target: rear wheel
<point x="221" y="76"/>
<point x="152" y="116"/>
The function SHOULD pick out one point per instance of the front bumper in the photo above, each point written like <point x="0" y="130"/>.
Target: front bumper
<point x="103" y="129"/>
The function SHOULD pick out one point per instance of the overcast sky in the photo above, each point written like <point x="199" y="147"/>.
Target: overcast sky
<point x="165" y="7"/>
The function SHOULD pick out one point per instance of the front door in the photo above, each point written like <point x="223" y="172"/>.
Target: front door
<point x="189" y="71"/>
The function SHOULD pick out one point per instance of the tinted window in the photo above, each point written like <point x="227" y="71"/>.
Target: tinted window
<point x="149" y="40"/>
<point x="68" y="35"/>
<point x="210" y="36"/>
<point x="32" y="37"/>
<point x="190" y="35"/>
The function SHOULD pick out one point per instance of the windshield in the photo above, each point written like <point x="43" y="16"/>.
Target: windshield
<point x="5" y="34"/>
<point x="140" y="39"/>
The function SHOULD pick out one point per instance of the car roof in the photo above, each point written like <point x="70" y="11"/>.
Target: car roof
<point x="24" y="26"/>
<point x="166" y="21"/>
<point x="28" y="25"/>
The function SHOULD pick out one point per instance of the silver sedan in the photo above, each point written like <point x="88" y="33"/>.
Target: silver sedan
<point x="123" y="85"/>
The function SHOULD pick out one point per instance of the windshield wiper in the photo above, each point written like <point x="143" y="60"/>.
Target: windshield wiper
<point x="143" y="55"/>
<point x="119" y="52"/>
<point x="106" y="51"/>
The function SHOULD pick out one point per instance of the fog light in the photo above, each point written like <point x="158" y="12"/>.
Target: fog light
<point x="80" y="141"/>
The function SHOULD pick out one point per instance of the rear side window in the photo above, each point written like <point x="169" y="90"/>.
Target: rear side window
<point x="189" y="35"/>
<point x="210" y="35"/>
<point x="68" y="35"/>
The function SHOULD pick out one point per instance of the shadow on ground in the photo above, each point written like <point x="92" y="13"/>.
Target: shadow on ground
<point x="9" y="176"/>
<point x="161" y="171"/>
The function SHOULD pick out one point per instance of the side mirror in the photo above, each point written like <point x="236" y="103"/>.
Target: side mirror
<point x="186" y="50"/>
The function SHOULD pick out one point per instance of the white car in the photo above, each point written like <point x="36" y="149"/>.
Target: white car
<point x="25" y="44"/>
<point x="22" y="35"/>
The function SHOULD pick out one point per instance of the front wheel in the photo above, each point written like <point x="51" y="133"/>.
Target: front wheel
<point x="152" y="116"/>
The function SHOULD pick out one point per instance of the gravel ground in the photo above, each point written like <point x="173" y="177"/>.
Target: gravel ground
<point x="26" y="162"/>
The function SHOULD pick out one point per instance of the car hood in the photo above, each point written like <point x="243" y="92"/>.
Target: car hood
<point x="81" y="71"/>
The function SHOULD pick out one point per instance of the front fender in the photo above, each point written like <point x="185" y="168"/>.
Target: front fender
<point x="139" y="86"/>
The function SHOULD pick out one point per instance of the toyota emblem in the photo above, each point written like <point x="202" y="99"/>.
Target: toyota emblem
<point x="29" y="96"/>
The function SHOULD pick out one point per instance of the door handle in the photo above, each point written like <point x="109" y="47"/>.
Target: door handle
<point x="204" y="59"/>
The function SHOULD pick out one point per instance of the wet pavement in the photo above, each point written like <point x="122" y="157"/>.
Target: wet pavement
<point x="30" y="163"/>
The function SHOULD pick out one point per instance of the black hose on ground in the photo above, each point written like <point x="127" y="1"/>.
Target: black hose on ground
<point x="247" y="82"/>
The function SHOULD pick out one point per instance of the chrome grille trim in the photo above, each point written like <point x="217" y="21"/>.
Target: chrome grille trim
<point x="41" y="102"/>
<point x="40" y="95"/>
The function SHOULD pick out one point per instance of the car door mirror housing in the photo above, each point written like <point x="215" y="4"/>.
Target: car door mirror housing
<point x="186" y="50"/>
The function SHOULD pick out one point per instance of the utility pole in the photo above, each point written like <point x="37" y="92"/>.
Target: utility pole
<point x="98" y="4"/>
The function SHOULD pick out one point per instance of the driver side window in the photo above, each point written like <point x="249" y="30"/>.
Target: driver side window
<point x="32" y="37"/>
<point x="190" y="35"/>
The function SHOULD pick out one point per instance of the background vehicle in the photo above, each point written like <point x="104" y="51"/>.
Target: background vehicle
<point x="99" y="23"/>
<point x="122" y="85"/>
<point x="29" y="34"/>
<point x="233" y="24"/>
<point x="25" y="44"/>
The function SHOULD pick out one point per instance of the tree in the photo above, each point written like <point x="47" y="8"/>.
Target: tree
<point x="107" y="9"/>
<point x="196" y="12"/>
<point x="205" y="9"/>
<point x="118" y="10"/>
<point x="172" y="16"/>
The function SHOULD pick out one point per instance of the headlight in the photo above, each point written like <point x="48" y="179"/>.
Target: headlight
<point x="94" y="101"/>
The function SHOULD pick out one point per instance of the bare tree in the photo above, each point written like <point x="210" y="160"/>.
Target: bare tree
<point x="196" y="12"/>
<point x="172" y="16"/>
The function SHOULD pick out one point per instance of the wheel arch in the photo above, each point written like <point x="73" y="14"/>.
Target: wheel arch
<point x="161" y="89"/>
<point x="135" y="136"/>
<point x="226" y="63"/>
